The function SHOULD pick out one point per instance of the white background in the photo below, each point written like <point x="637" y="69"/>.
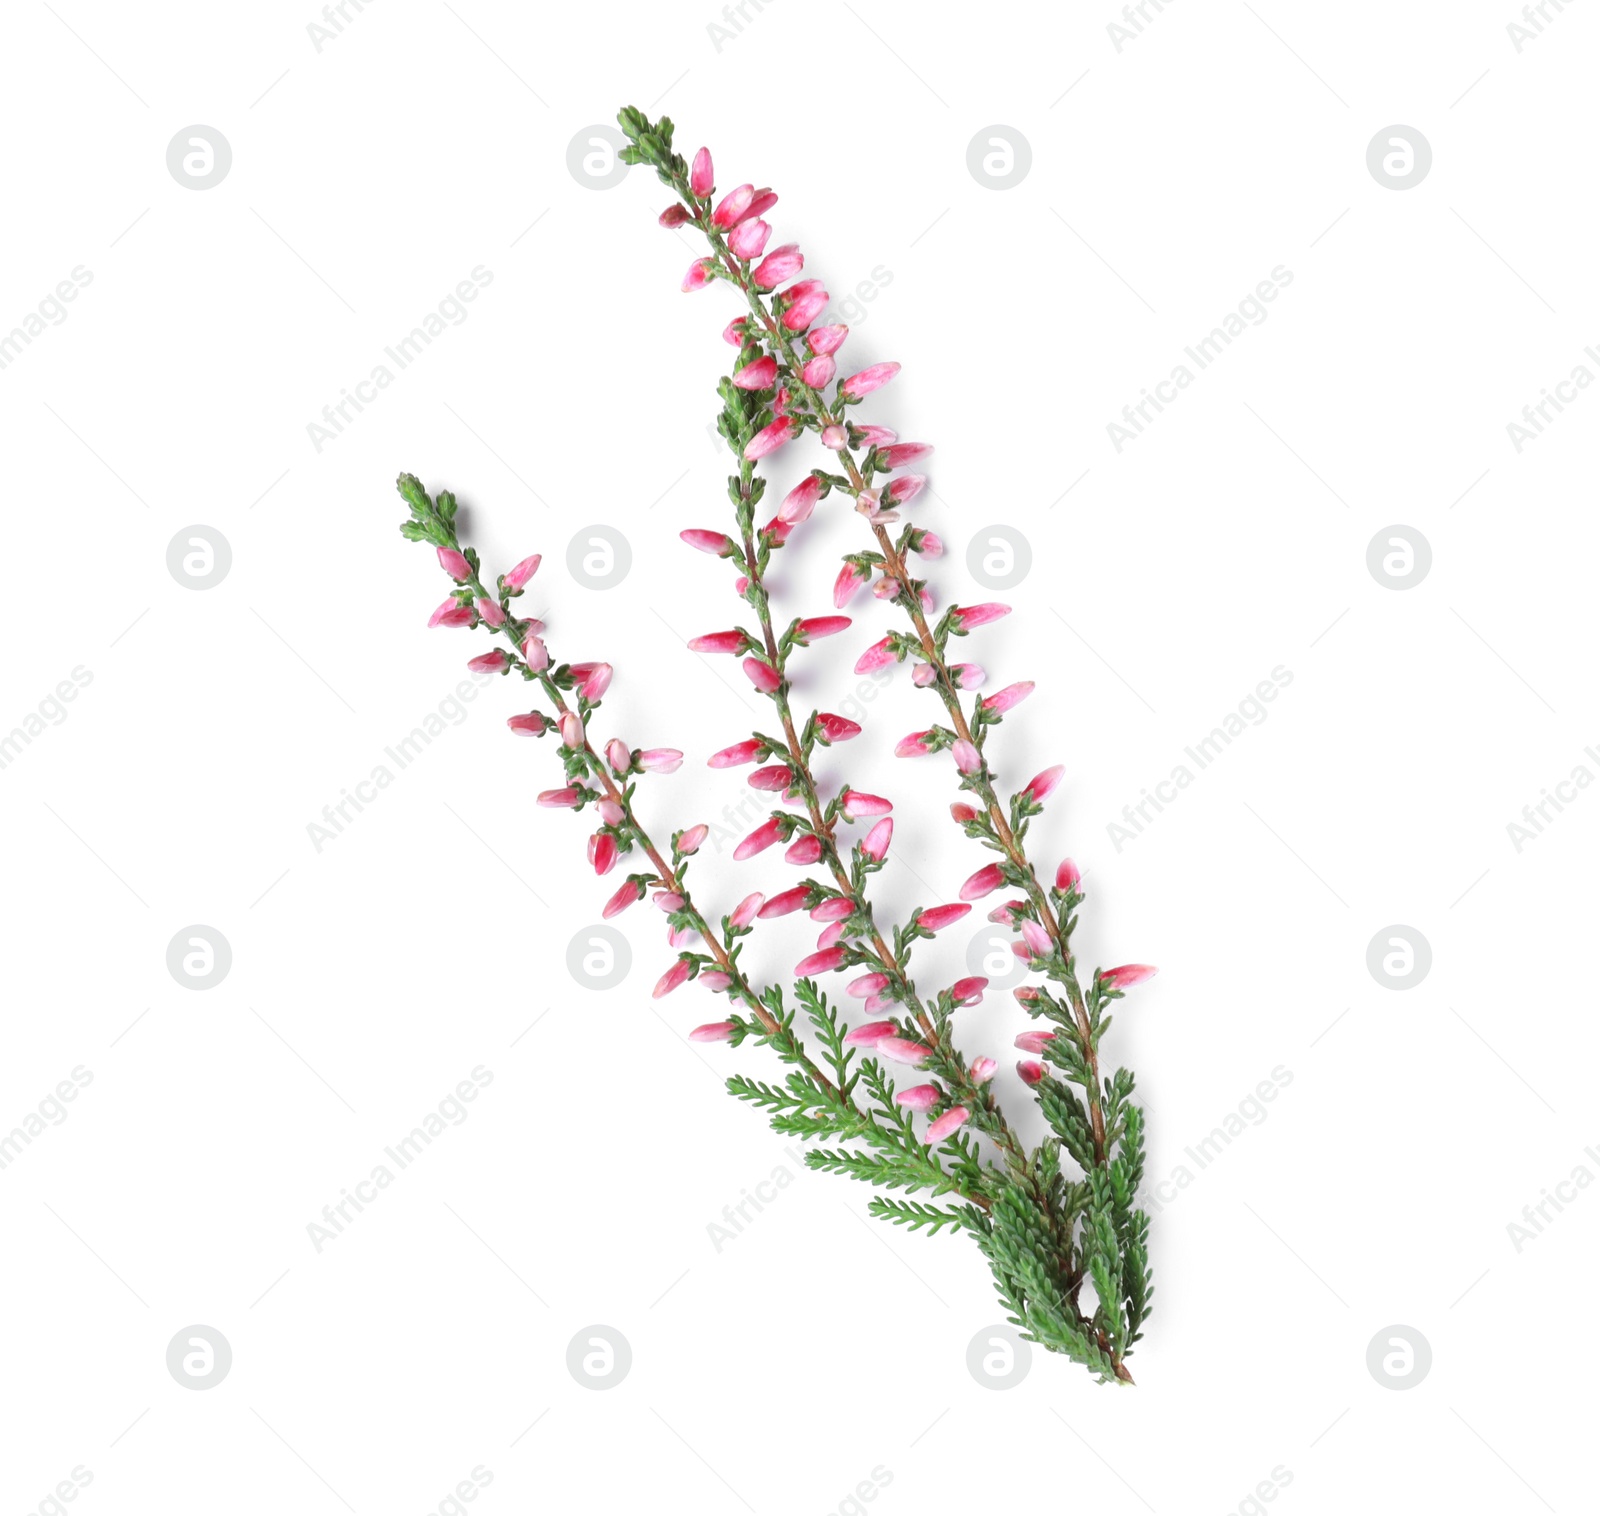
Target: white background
<point x="430" y="937"/>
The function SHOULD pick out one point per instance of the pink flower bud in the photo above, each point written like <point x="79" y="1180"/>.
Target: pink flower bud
<point x="968" y="676"/>
<point x="670" y="980"/>
<point x="667" y="901"/>
<point x="952" y="1120"/>
<point x="733" y="332"/>
<point x="819" y="371"/>
<point x="680" y="936"/>
<point x="904" y="1050"/>
<point x="717" y="642"/>
<point x="491" y="612"/>
<point x="733" y="757"/>
<point x="596" y="682"/>
<point x="762" y="675"/>
<point x="692" y="838"/>
<point x="777" y="530"/>
<point x="780" y="264"/>
<point x="868" y="1034"/>
<point x="763" y="202"/>
<point x="1043" y="785"/>
<point x="1035" y="1042"/>
<point x="830" y="934"/>
<point x="835" y="438"/>
<point x="876" y="846"/>
<point x="627" y="893"/>
<point x="760" y="840"/>
<point x="886" y="589"/>
<point x="712" y="1031"/>
<point x="530" y="725"/>
<point x="715" y="980"/>
<point x="827" y="339"/>
<point x="776" y="777"/>
<point x="869" y="379"/>
<point x="905" y="489"/>
<point x="603" y="852"/>
<point x="967" y="757"/>
<point x="835" y="908"/>
<point x="915" y="744"/>
<point x="859" y="806"/>
<point x="1030" y="1070"/>
<point x="674" y="215"/>
<point x="749" y="238"/>
<point x="903" y="453"/>
<point x="985" y="882"/>
<point x="610" y="811"/>
<point x="487" y="663"/>
<point x="867" y="985"/>
<point x="803" y="851"/>
<point x="557" y="800"/>
<point x="845" y="588"/>
<point x="1067" y="875"/>
<point x="760" y="375"/>
<point x="769" y="439"/>
<point x="969" y="616"/>
<point x="719" y="543"/>
<point x="732" y="206"/>
<point x="806" y="302"/>
<point x="747" y="910"/>
<point x="455" y="565"/>
<point x="786" y="903"/>
<point x="572" y="731"/>
<point x="661" y="760"/>
<point x="799" y="503"/>
<point x="519" y="576"/>
<point x="699" y="275"/>
<point x="700" y="174"/>
<point x="961" y="813"/>
<point x="619" y="755"/>
<point x="824" y="962"/>
<point x="813" y="627"/>
<point x="451" y="614"/>
<point x="1127" y="975"/>
<point x="836" y="728"/>
<point x="1005" y="913"/>
<point x="534" y="653"/>
<point x="920" y="1097"/>
<point x="929" y="544"/>
<point x="936" y="917"/>
<point x="969" y="991"/>
<point x="1037" y="938"/>
<point x="982" y="1070"/>
<point x="879" y="655"/>
<point x="1010" y="697"/>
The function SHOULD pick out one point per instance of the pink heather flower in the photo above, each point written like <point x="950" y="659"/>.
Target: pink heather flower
<point x="1128" y="974"/>
<point x="1043" y="785"/>
<point x="859" y="806"/>
<point x="836" y="728"/>
<point x="824" y="962"/>
<point x="596" y="682"/>
<point x="667" y="901"/>
<point x="747" y="909"/>
<point x="762" y="675"/>
<point x="835" y="908"/>
<point x="886" y="589"/>
<point x="1037" y="938"/>
<point x="572" y="731"/>
<point x="760" y="840"/>
<point x="692" y="838"/>
<point x="627" y="893"/>
<point x="760" y="375"/>
<point x="786" y="903"/>
<point x="806" y="302"/>
<point x="519" y="576"/>
<point x="929" y="544"/>
<point x="836" y="438"/>
<point x="661" y="760"/>
<point x="897" y="456"/>
<point x="880" y="436"/>
<point x="680" y="936"/>
<point x="968" y="676"/>
<point x="1067" y="876"/>
<point x="603" y="852"/>
<point x="952" y="1120"/>
<point x="845" y="588"/>
<point x="1004" y="912"/>
<point x="778" y="530"/>
<point x="712" y="1031"/>
<point x="487" y="663"/>
<point x="717" y="642"/>
<point x="920" y="1097"/>
<point x="699" y="275"/>
<point x="1030" y="1070"/>
<point x="670" y="980"/>
<point x="534" y="653"/>
<point x="530" y="725"/>
<point x="610" y="812"/>
<point x="804" y="850"/>
<point x="830" y="934"/>
<point x="969" y="991"/>
<point x="869" y="1034"/>
<point x="799" y="503"/>
<point x="451" y="614"/>
<point x="701" y="178"/>
<point x="769" y="439"/>
<point x="869" y="379"/>
<point x="915" y="744"/>
<point x="715" y="980"/>
<point x="780" y="264"/>
<point x="619" y="755"/>
<point x="967" y="757"/>
<point x="827" y="340"/>
<point x="876" y="846"/>
<point x="491" y="612"/>
<point x="985" y="882"/>
<point x="904" y="1050"/>
<point x="1010" y="697"/>
<point x="1026" y="994"/>
<point x="818" y="372"/>
<point x="749" y="238"/>
<point x="675" y="214"/>
<point x="867" y="985"/>
<point x="776" y="777"/>
<point x="922" y="674"/>
<point x="982" y="1070"/>
<point x="878" y="656"/>
<point x="719" y="543"/>
<point x="1035" y="1042"/>
<point x="566" y="799"/>
<point x="732" y="757"/>
<point x="763" y="202"/>
<point x="969" y="616"/>
<point x="937" y="917"/>
<point x="454" y="565"/>
<point x="961" y="813"/>
<point x="732" y="206"/>
<point x="906" y="488"/>
<point x="733" y="332"/>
